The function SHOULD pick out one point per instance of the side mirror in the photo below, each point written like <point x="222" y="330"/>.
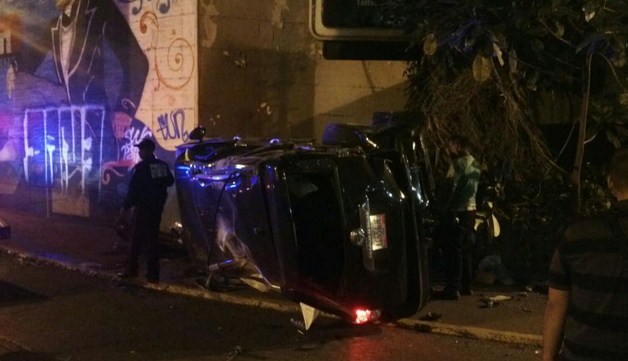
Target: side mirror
<point x="198" y="133"/>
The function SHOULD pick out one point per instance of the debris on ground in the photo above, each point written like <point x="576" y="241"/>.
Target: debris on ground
<point x="526" y="309"/>
<point x="431" y="316"/>
<point x="300" y="325"/>
<point x="237" y="351"/>
<point x="499" y="298"/>
<point x="489" y="302"/>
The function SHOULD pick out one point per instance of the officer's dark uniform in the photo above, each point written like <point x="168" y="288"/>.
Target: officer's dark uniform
<point x="147" y="193"/>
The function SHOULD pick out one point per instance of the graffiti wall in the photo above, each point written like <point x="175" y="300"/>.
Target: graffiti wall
<point x="82" y="82"/>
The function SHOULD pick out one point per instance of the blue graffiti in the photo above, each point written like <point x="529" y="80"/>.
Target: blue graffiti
<point x="162" y="5"/>
<point x="66" y="142"/>
<point x="172" y="126"/>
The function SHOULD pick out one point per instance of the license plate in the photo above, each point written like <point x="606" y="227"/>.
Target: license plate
<point x="377" y="231"/>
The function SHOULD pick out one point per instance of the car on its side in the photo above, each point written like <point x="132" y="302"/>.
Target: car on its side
<point x="340" y="226"/>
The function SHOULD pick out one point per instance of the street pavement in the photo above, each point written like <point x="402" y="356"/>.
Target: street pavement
<point x="505" y="314"/>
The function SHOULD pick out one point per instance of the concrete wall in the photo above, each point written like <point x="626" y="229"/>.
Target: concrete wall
<point x="262" y="74"/>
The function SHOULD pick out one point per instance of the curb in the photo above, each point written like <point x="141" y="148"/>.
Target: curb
<point x="235" y="299"/>
<point x="171" y="288"/>
<point x="225" y="297"/>
<point x="470" y="332"/>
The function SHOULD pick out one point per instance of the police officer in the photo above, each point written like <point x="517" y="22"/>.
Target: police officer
<point x="147" y="193"/>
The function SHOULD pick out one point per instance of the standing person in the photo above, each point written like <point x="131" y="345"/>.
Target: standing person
<point x="459" y="220"/>
<point x="147" y="193"/>
<point x="588" y="282"/>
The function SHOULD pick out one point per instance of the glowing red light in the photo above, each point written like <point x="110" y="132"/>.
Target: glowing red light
<point x="364" y="315"/>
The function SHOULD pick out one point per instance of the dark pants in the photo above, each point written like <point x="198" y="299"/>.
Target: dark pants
<point x="457" y="248"/>
<point x="146" y="236"/>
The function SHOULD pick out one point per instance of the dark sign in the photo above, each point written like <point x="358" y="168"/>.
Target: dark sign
<point x="369" y="50"/>
<point x="352" y="14"/>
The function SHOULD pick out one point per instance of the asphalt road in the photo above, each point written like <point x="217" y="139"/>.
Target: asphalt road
<point x="48" y="313"/>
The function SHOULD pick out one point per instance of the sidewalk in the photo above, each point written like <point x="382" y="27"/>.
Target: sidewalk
<point x="91" y="249"/>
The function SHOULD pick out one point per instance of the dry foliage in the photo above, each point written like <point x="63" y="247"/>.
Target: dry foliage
<point x="490" y="114"/>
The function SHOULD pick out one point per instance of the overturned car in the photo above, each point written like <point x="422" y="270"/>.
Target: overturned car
<point x="339" y="227"/>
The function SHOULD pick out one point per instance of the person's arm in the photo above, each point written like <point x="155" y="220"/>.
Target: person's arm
<point x="452" y="177"/>
<point x="170" y="180"/>
<point x="554" y="322"/>
<point x="134" y="185"/>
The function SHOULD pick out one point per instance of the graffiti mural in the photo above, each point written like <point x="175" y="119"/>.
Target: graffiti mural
<point x="172" y="126"/>
<point x="162" y="5"/>
<point x="9" y="46"/>
<point x="61" y="147"/>
<point x="82" y="82"/>
<point x="173" y="76"/>
<point x="78" y="41"/>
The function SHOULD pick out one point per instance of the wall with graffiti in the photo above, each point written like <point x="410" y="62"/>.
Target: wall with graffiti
<point x="81" y="82"/>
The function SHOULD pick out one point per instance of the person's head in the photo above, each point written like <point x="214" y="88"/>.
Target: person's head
<point x="146" y="148"/>
<point x="458" y="145"/>
<point x="618" y="174"/>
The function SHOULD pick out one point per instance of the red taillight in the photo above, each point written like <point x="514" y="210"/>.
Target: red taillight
<point x="363" y="315"/>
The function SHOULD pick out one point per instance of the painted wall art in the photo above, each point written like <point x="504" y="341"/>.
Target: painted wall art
<point x="82" y="82"/>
